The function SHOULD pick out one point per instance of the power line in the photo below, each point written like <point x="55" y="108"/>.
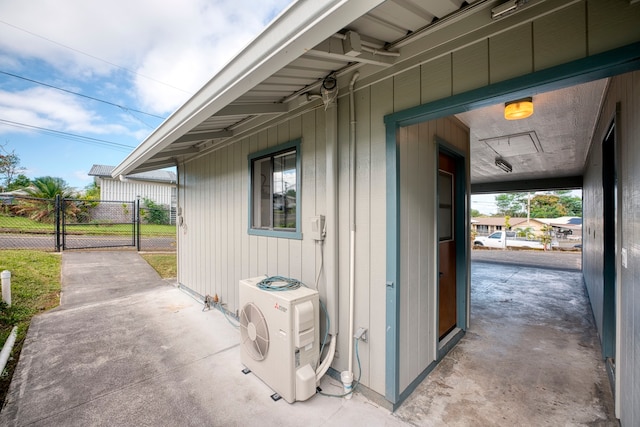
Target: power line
<point x="94" y="57"/>
<point x="127" y="109"/>
<point x="73" y="137"/>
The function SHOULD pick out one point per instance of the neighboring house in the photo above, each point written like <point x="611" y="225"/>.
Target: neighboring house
<point x="159" y="186"/>
<point x="487" y="225"/>
<point x="364" y="111"/>
<point x="568" y="227"/>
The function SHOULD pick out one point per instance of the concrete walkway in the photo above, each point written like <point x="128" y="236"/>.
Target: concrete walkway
<point x="127" y="349"/>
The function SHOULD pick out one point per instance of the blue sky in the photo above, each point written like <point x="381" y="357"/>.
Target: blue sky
<point x="146" y="57"/>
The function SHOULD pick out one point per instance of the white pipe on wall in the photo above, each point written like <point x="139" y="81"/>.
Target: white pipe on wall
<point x="331" y="238"/>
<point x="352" y="214"/>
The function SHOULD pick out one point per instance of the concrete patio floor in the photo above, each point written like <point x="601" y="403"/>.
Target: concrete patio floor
<point x="126" y="348"/>
<point x="531" y="356"/>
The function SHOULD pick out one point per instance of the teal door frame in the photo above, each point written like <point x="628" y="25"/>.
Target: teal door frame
<point x="461" y="231"/>
<point x="607" y="64"/>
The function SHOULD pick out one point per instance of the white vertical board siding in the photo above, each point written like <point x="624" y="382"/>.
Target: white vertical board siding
<point x="216" y="250"/>
<point x="126" y="191"/>
<point x="624" y="90"/>
<point x="418" y="240"/>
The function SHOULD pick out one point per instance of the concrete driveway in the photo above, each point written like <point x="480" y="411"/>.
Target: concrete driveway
<point x="127" y="349"/>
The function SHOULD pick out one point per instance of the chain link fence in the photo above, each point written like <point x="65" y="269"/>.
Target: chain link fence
<point x="63" y="224"/>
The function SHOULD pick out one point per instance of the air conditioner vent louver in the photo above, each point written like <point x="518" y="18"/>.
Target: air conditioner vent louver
<point x="254" y="333"/>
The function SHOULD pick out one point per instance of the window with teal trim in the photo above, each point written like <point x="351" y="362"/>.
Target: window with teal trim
<point x="274" y="195"/>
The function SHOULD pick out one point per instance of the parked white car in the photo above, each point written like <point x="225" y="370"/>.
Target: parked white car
<point x="504" y="239"/>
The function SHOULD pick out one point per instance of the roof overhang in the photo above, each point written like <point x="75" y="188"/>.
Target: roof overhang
<point x="296" y="31"/>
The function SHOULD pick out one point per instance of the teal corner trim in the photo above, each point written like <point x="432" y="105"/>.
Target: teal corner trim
<point x="297" y="234"/>
<point x="392" y="338"/>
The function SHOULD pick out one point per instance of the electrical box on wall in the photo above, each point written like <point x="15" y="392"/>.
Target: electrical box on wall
<point x="317" y="227"/>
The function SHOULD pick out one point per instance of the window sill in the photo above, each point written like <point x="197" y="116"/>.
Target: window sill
<point x="296" y="235"/>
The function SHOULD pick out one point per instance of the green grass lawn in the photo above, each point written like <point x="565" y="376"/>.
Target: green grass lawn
<point x="165" y="264"/>
<point x="17" y="224"/>
<point x="35" y="287"/>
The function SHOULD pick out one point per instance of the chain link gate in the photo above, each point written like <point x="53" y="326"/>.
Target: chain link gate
<point x="89" y="224"/>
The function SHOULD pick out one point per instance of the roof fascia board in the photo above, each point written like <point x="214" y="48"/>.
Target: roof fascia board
<point x="299" y="28"/>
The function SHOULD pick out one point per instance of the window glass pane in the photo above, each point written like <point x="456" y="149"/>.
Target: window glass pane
<point x="284" y="190"/>
<point x="445" y="197"/>
<point x="262" y="193"/>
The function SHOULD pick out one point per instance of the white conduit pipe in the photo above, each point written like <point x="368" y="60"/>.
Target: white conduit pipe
<point x="6" y="349"/>
<point x="352" y="235"/>
<point x="331" y="239"/>
<point x="326" y="363"/>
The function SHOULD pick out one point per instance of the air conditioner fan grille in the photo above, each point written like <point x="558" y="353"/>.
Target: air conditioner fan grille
<point x="254" y="333"/>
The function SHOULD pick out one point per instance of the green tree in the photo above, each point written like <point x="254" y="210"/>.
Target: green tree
<point x="475" y="213"/>
<point x="43" y="191"/>
<point x="512" y="204"/>
<point x="546" y="206"/>
<point x="92" y="191"/>
<point x="9" y="167"/>
<point x="555" y="204"/>
<point x="20" y="182"/>
<point x="572" y="205"/>
<point x="154" y="213"/>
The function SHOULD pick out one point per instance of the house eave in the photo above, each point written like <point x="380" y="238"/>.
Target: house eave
<point x="293" y="33"/>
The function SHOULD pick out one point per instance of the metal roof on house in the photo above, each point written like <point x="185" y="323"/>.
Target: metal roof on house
<point x="275" y="74"/>
<point x="165" y="176"/>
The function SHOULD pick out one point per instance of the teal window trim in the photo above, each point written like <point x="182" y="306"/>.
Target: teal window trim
<point x="268" y="152"/>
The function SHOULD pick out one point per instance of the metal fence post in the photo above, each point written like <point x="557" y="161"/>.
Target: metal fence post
<point x="57" y="223"/>
<point x="137" y="223"/>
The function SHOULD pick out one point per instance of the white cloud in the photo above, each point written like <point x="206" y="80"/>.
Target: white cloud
<point x="51" y="109"/>
<point x="180" y="43"/>
<point x="147" y="55"/>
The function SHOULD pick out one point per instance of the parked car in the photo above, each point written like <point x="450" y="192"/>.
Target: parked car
<point x="504" y="239"/>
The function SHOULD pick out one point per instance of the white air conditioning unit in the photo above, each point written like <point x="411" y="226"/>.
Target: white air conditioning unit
<point x="280" y="338"/>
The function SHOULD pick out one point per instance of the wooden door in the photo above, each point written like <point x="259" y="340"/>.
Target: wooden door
<point x="447" y="313"/>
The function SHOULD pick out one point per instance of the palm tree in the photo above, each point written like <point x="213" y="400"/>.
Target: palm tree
<point x="545" y="237"/>
<point x="41" y="204"/>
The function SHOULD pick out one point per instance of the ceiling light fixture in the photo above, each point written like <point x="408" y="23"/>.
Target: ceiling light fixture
<point x="503" y="164"/>
<point x="518" y="109"/>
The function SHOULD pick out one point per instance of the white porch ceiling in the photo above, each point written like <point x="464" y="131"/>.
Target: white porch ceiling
<point x="553" y="142"/>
